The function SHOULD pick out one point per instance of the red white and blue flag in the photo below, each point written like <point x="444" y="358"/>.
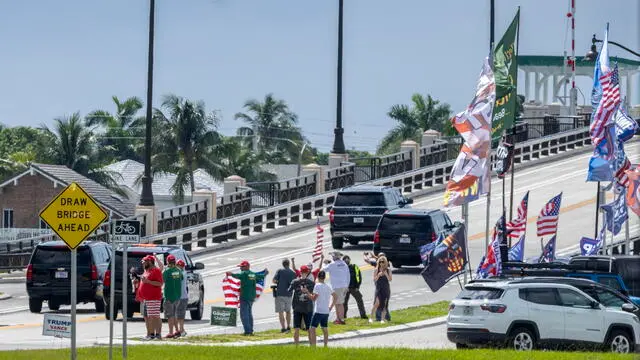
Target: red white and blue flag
<point x="548" y="218"/>
<point x="549" y="251"/>
<point x="517" y="227"/>
<point x="317" y="249"/>
<point x="231" y="290"/>
<point x="491" y="263"/>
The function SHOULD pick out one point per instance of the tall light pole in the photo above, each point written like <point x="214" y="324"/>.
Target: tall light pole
<point x="338" y="140"/>
<point x="146" y="198"/>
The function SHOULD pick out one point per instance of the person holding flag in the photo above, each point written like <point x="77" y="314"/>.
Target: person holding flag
<point x="248" y="280"/>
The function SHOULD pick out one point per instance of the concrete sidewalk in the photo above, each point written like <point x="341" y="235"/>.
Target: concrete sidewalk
<point x="14" y="277"/>
<point x="289" y="340"/>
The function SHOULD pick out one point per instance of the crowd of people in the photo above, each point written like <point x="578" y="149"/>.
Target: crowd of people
<point x="304" y="299"/>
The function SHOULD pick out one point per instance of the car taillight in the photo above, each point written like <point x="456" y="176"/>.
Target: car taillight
<point x="107" y="278"/>
<point x="452" y="306"/>
<point x="376" y="237"/>
<point x="29" y="272"/>
<point x="94" y="272"/>
<point x="433" y="237"/>
<point x="331" y="216"/>
<point x="494" y="308"/>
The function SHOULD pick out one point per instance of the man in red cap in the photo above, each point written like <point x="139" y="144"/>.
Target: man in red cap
<point x="172" y="277"/>
<point x="184" y="298"/>
<point x="248" y="281"/>
<point x="302" y="303"/>
<point x="150" y="291"/>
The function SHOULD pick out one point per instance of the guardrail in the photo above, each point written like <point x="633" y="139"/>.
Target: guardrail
<point x="236" y="221"/>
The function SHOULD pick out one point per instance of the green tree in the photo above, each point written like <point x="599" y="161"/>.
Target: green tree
<point x="71" y="143"/>
<point x="186" y="139"/>
<point x="271" y="129"/>
<point x="424" y="113"/>
<point x="122" y="132"/>
<point x="238" y="159"/>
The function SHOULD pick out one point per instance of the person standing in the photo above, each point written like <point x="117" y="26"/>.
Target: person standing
<point x="354" y="288"/>
<point x="382" y="278"/>
<point x="321" y="296"/>
<point x="339" y="275"/>
<point x="172" y="277"/>
<point x="283" y="279"/>
<point x="302" y="303"/>
<point x="248" y="281"/>
<point x="184" y="299"/>
<point x="150" y="291"/>
<point x="313" y="273"/>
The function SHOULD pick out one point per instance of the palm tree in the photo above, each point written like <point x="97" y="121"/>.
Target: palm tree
<point x="122" y="131"/>
<point x="240" y="160"/>
<point x="186" y="139"/>
<point x="72" y="144"/>
<point x="423" y="114"/>
<point x="269" y="122"/>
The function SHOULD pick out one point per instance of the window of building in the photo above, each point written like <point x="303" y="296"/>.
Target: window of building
<point x="7" y="218"/>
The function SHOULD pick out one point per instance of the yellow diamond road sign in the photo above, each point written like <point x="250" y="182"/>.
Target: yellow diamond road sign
<point x="73" y="215"/>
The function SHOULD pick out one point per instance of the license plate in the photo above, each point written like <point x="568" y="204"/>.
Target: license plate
<point x="358" y="220"/>
<point x="405" y="240"/>
<point x="62" y="274"/>
<point x="467" y="311"/>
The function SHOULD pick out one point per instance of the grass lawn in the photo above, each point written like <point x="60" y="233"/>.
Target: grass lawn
<point x="192" y="352"/>
<point x="402" y="316"/>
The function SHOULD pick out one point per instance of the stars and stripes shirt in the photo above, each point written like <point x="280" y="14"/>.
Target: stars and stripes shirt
<point x="231" y="290"/>
<point x="607" y="106"/>
<point x="548" y="218"/>
<point x="518" y="225"/>
<point x="317" y="249"/>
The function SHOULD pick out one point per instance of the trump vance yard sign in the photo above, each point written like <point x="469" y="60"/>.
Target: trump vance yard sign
<point x="73" y="215"/>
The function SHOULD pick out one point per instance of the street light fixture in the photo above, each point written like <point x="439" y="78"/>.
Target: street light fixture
<point x="338" y="140"/>
<point x="146" y="197"/>
<point x="593" y="52"/>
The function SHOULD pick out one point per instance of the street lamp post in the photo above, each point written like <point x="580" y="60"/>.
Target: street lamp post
<point x="338" y="141"/>
<point x="593" y="52"/>
<point x="146" y="198"/>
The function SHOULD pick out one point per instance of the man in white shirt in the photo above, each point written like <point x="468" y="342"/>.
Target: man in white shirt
<point x="340" y="277"/>
<point x="321" y="296"/>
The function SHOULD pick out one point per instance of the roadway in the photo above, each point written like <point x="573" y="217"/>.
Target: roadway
<point x="21" y="329"/>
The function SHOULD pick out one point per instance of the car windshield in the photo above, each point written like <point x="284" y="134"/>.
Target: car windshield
<point x="480" y="294"/>
<point x="407" y="224"/>
<point x="629" y="269"/>
<point x="56" y="256"/>
<point x="360" y="199"/>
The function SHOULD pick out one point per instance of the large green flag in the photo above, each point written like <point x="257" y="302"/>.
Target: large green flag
<point x="505" y="68"/>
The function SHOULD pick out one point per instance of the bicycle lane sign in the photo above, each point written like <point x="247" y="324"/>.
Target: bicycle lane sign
<point x="126" y="231"/>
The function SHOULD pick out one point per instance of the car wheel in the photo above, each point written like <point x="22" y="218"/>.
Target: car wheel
<point x="620" y="342"/>
<point x="99" y="305"/>
<point x="396" y="264"/>
<point x="53" y="305"/>
<point x="522" y="339"/>
<point x="197" y="313"/>
<point x="461" y="346"/>
<point x="35" y="305"/>
<point x="107" y="313"/>
<point x="337" y="243"/>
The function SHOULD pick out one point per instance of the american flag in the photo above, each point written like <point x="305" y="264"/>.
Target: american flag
<point x="549" y="251"/>
<point x="608" y="104"/>
<point x="317" y="249"/>
<point x="231" y="290"/>
<point x="548" y="218"/>
<point x="621" y="175"/>
<point x="518" y="225"/>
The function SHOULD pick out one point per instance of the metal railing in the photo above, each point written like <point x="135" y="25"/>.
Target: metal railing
<point x="339" y="177"/>
<point x="270" y="193"/>
<point x="8" y="234"/>
<point x="182" y="216"/>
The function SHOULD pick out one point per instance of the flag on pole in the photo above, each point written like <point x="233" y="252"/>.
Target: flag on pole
<point x="491" y="263"/>
<point x="231" y="290"/>
<point x="506" y="75"/>
<point x="516" y="253"/>
<point x="446" y="260"/>
<point x="608" y="81"/>
<point x="548" y="217"/>
<point x="470" y="175"/>
<point x="317" y="249"/>
<point x="626" y="126"/>
<point x="601" y="164"/>
<point x="549" y="251"/>
<point x="517" y="227"/>
<point x="633" y="189"/>
<point x="615" y="213"/>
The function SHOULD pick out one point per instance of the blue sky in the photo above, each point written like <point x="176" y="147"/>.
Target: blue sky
<point x="73" y="55"/>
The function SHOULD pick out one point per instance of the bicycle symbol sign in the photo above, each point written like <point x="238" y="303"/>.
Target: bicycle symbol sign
<point x="126" y="231"/>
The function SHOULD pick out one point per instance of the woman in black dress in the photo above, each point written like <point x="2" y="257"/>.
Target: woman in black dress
<point x="381" y="277"/>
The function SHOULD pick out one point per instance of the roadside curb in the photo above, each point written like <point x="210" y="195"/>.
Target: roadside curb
<point x="347" y="335"/>
<point x="12" y="280"/>
<point x="5" y="296"/>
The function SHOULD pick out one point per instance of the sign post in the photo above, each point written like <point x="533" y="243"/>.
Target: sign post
<point x="112" y="295"/>
<point x="125" y="232"/>
<point x="73" y="215"/>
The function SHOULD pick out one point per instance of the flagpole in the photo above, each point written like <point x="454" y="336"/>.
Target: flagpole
<point x="626" y="237"/>
<point x="465" y="219"/>
<point x="595" y="233"/>
<point x="492" y="21"/>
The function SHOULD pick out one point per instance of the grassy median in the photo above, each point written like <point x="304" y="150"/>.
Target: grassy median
<point x="192" y="352"/>
<point x="402" y="316"/>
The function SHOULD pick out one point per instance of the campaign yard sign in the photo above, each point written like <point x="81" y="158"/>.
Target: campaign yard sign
<point x="56" y="325"/>
<point x="223" y="316"/>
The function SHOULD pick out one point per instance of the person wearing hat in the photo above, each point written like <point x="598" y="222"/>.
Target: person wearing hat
<point x="313" y="273"/>
<point x="302" y="303"/>
<point x="150" y="292"/>
<point x="172" y="277"/>
<point x="184" y="299"/>
<point x="340" y="277"/>
<point x="248" y="281"/>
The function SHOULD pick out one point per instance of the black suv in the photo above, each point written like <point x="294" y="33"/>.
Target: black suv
<point x="49" y="274"/>
<point x="135" y="253"/>
<point x="357" y="210"/>
<point x="402" y="232"/>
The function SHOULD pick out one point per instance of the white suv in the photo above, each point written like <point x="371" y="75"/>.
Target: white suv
<point x="523" y="315"/>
